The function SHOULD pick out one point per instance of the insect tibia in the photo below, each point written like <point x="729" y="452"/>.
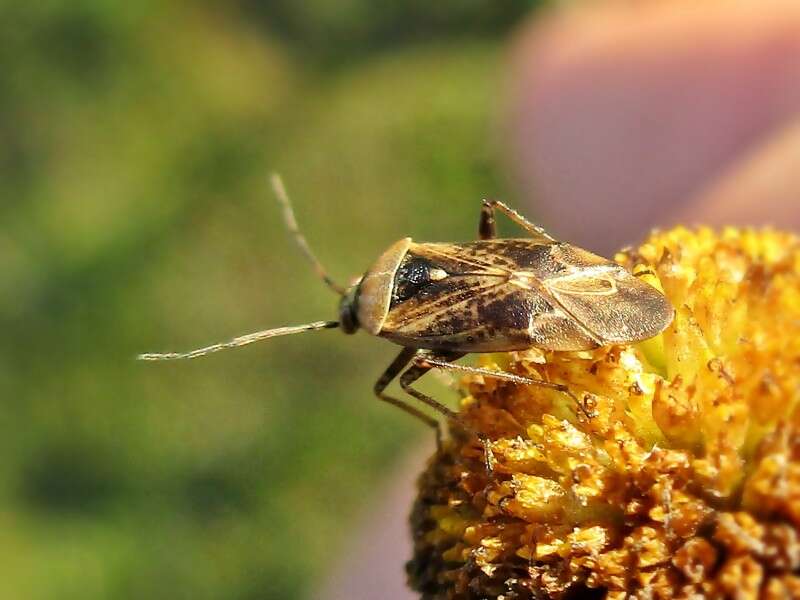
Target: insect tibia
<point x="243" y="340"/>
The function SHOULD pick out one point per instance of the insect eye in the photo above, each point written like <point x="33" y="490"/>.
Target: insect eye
<point x="412" y="276"/>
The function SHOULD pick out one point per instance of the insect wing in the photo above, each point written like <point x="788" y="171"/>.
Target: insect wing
<point x="605" y="299"/>
<point x="480" y="306"/>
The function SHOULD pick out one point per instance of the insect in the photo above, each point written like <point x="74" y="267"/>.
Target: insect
<point x="440" y="301"/>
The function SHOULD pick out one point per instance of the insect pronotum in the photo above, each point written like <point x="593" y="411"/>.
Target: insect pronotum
<point x="440" y="301"/>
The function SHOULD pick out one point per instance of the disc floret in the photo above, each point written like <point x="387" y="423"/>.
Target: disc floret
<point x="676" y="476"/>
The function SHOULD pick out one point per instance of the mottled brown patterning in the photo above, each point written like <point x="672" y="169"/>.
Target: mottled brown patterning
<point x="441" y="301"/>
<point x="512" y="294"/>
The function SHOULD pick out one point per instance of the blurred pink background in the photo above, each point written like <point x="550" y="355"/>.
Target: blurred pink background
<point x="625" y="116"/>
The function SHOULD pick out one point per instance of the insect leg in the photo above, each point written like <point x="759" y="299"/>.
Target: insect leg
<point x="392" y="371"/>
<point x="645" y="272"/>
<point x="422" y="363"/>
<point x="502" y="375"/>
<point x="417" y="369"/>
<point x="486" y="227"/>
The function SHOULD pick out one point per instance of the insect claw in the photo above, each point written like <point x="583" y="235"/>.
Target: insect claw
<point x="582" y="405"/>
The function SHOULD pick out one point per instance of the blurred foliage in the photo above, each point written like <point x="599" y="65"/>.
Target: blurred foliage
<point x="335" y="30"/>
<point x="136" y="216"/>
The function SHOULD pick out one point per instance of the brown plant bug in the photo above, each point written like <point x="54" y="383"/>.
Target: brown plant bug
<point x="440" y="301"/>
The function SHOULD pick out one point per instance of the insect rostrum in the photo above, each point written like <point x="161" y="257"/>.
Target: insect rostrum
<point x="440" y="301"/>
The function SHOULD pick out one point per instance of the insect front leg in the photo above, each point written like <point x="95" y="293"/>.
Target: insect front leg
<point x="392" y="371"/>
<point x="422" y="363"/>
<point x="417" y="369"/>
<point x="486" y="226"/>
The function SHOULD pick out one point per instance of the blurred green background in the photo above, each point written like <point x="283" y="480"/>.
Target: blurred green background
<point x="135" y="142"/>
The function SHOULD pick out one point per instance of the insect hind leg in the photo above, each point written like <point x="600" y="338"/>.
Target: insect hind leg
<point x="487" y="228"/>
<point x="435" y="363"/>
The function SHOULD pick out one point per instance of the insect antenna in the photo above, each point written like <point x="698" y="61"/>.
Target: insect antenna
<point x="242" y="340"/>
<point x="291" y="225"/>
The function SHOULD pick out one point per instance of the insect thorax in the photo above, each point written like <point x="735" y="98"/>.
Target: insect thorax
<point x="373" y="296"/>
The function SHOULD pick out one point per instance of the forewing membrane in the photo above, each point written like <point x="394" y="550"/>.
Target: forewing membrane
<point x="607" y="300"/>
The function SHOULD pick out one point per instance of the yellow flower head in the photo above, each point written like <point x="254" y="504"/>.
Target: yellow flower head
<point x="676" y="476"/>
